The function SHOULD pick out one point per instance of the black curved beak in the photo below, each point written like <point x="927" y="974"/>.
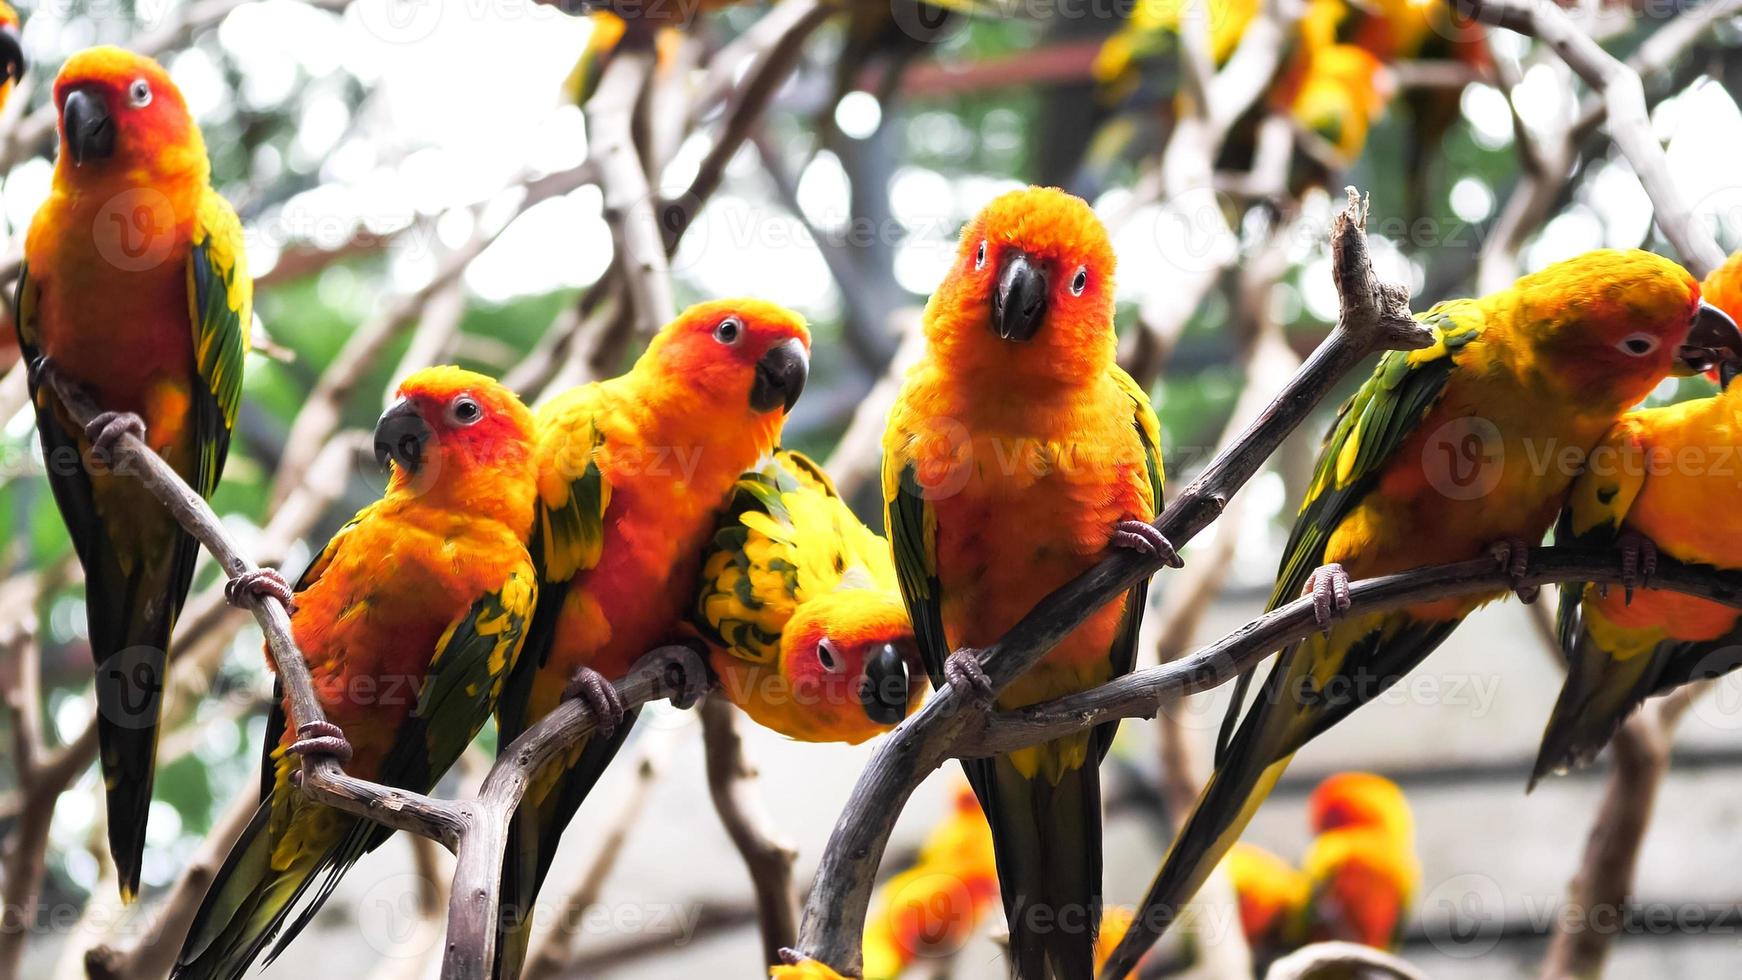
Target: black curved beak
<point x="780" y="376"/>
<point x="88" y="127"/>
<point x="1713" y="342"/>
<point x="1019" y="304"/>
<point x="401" y="435"/>
<point x="884" y="691"/>
<point x="11" y="52"/>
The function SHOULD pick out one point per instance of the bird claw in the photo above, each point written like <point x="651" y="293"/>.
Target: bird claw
<point x="108" y="428"/>
<point x="968" y="679"/>
<point x="1143" y="538"/>
<point x="322" y="739"/>
<point x="1513" y="556"/>
<point x="259" y="582"/>
<point x="601" y="696"/>
<point x="1329" y="587"/>
<point x="1638" y="561"/>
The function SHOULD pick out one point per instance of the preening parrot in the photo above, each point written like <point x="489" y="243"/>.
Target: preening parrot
<point x="135" y="287"/>
<point x="633" y="475"/>
<point x="1016" y="455"/>
<point x="1362" y="865"/>
<point x="932" y="908"/>
<point x="801" y="611"/>
<point x="1438" y="458"/>
<point x="410" y="620"/>
<point x="1662" y="480"/>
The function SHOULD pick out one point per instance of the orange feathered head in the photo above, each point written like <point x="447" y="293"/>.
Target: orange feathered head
<point x="460" y="437"/>
<point x="1270" y="892"/>
<point x="1610" y="325"/>
<point x="1723" y="288"/>
<point x="1360" y="799"/>
<point x="852" y="656"/>
<point x="733" y="356"/>
<point x="1030" y="296"/>
<point x="120" y="113"/>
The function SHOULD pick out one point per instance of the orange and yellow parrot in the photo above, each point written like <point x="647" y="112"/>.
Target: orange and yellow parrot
<point x="135" y="287"/>
<point x="410" y="619"/>
<point x="1434" y="460"/>
<point x="1016" y="455"/>
<point x="1361" y="865"/>
<point x="1644" y="490"/>
<point x="633" y="475"/>
<point x="1272" y="898"/>
<point x="931" y="909"/>
<point x="609" y="31"/>
<point x="801" y="611"/>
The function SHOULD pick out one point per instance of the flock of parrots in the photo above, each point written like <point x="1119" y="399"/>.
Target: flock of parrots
<point x="519" y="557"/>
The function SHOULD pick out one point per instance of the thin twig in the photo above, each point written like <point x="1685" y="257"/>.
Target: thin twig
<point x="731" y="784"/>
<point x="629" y="205"/>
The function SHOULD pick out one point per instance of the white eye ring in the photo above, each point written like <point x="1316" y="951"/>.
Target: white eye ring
<point x="1637" y="344"/>
<point x="980" y="256"/>
<point x="729" y="330"/>
<point x="830" y="657"/>
<point x="139" y="93"/>
<point x="465" y="410"/>
<point x="1080" y="281"/>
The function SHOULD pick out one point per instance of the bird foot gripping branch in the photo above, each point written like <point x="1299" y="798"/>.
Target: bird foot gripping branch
<point x="322" y="739"/>
<point x="601" y="696"/>
<point x="1144" y="538"/>
<point x="968" y="679"/>
<point x="259" y="582"/>
<point x="1513" y="555"/>
<point x="108" y="428"/>
<point x="1329" y="587"/>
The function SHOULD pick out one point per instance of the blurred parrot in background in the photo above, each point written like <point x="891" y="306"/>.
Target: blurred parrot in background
<point x="1272" y="898"/>
<point x="801" y="610"/>
<point x="1016" y="455"/>
<point x="633" y="475"/>
<point x="608" y="32"/>
<point x="1362" y="864"/>
<point x="932" y="909"/>
<point x="410" y="619"/>
<point x="11" y="51"/>
<point x="135" y="287"/>
<point x="1662" y="480"/>
<point x="1437" y="459"/>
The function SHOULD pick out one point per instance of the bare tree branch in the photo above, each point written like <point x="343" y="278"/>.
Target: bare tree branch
<point x="1340" y="959"/>
<point x="731" y="784"/>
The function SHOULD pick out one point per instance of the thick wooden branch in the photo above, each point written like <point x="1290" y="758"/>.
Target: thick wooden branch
<point x="1374" y="317"/>
<point x="629" y="204"/>
<point x="1340" y="959"/>
<point x="1623" y="98"/>
<point x="731" y="784"/>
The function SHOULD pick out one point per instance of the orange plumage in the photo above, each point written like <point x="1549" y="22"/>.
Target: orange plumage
<point x="1362" y="862"/>
<point x="931" y="909"/>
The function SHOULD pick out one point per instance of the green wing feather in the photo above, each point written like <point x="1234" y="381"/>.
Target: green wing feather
<point x="912" y="527"/>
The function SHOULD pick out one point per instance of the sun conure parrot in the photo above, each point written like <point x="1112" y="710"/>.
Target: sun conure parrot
<point x="799" y="605"/>
<point x="932" y="909"/>
<point x="134" y="286"/>
<point x="1272" y="898"/>
<point x="410" y="620"/>
<point x="1645" y="489"/>
<point x="1436" y="459"/>
<point x="633" y="475"/>
<point x="608" y="32"/>
<point x="1362" y="864"/>
<point x="1016" y="455"/>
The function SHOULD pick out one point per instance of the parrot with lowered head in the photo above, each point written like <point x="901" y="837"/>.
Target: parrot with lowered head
<point x="633" y="474"/>
<point x="1361" y="867"/>
<point x="410" y="619"/>
<point x="1660" y="482"/>
<point x="134" y="287"/>
<point x="1017" y="454"/>
<point x="801" y="611"/>
<point x="1433" y="461"/>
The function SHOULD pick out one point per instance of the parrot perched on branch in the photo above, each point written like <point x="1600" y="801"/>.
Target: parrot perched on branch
<point x="135" y="287"/>
<point x="633" y="475"/>
<point x="410" y="619"/>
<point x="1662" y="480"/>
<point x="1017" y="454"/>
<point x="1446" y="454"/>
<point x="932" y="908"/>
<point x="801" y="611"/>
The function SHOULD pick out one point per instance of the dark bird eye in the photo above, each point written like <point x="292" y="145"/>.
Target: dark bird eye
<point x="1637" y="344"/>
<point x="980" y="256"/>
<point x="139" y="93"/>
<point x="728" y="331"/>
<point x="1079" y="282"/>
<point x="465" y="410"/>
<point x="828" y="656"/>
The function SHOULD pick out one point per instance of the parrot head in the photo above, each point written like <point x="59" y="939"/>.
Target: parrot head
<point x="850" y="653"/>
<point x="458" y="433"/>
<point x="1030" y="295"/>
<point x="1614" y="324"/>
<point x="119" y="111"/>
<point x="1360" y="799"/>
<point x="11" y="44"/>
<point x="737" y="356"/>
